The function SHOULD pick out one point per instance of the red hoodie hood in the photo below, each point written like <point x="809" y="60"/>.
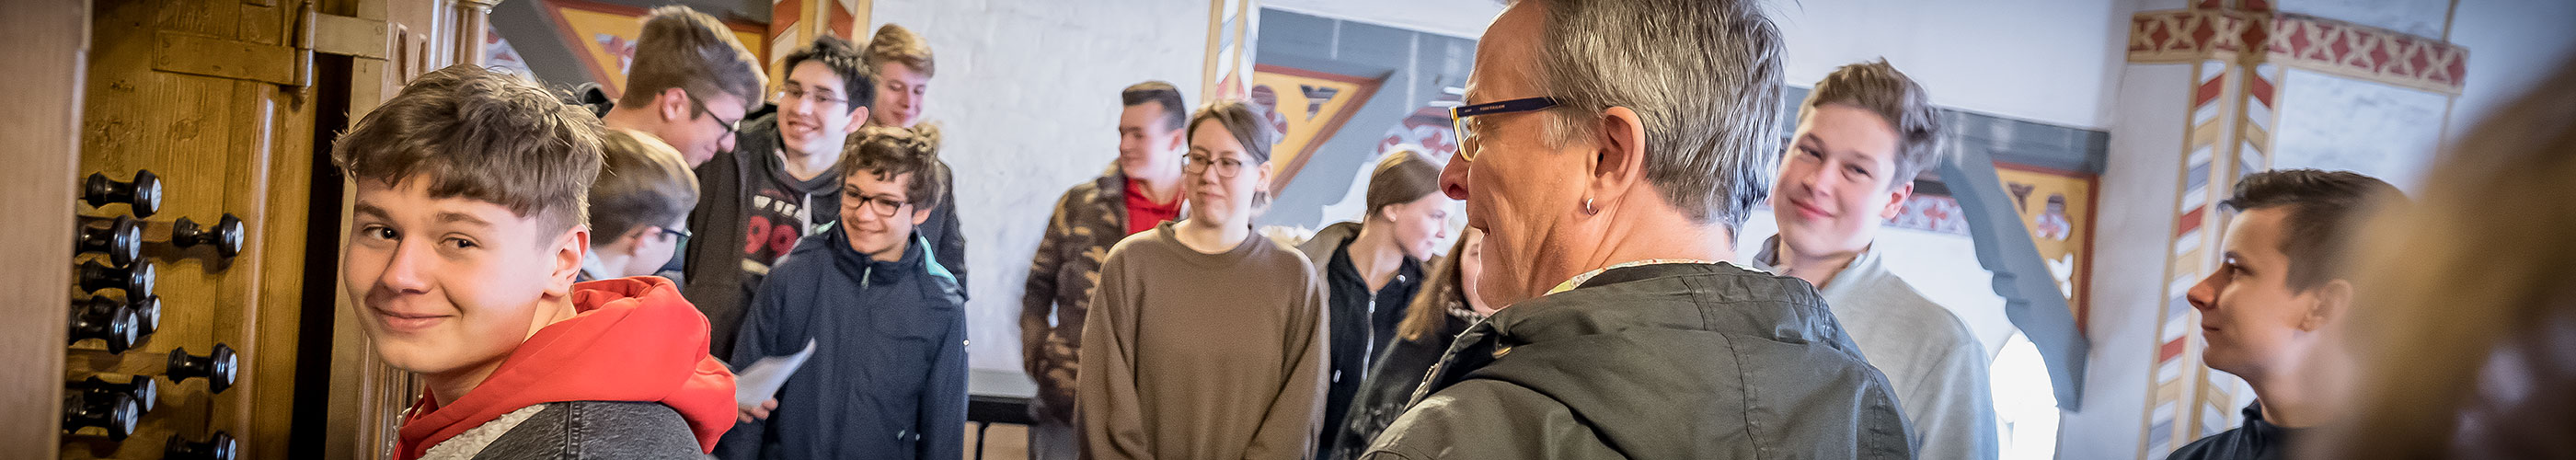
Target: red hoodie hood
<point x="630" y="339"/>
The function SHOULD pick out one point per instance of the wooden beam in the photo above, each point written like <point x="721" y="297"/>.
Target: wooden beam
<point x="349" y="36"/>
<point x="215" y="57"/>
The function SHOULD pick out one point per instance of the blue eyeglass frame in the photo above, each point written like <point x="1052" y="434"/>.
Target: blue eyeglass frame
<point x="1458" y="116"/>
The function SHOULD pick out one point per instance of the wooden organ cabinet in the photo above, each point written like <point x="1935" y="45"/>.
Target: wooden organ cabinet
<point x="174" y="222"/>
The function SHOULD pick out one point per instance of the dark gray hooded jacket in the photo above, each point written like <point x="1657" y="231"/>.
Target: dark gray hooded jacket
<point x="1679" y="361"/>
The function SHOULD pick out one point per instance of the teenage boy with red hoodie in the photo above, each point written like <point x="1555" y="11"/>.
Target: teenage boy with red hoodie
<point x="469" y="228"/>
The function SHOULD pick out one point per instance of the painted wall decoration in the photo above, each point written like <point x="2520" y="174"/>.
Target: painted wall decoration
<point x="604" y="37"/>
<point x="2057" y="207"/>
<point x="1231" y="28"/>
<point x="2300" y="41"/>
<point x="1931" y="213"/>
<point x="1428" y="129"/>
<point x="498" y="54"/>
<point x="1305" y="107"/>
<point x="794" y="23"/>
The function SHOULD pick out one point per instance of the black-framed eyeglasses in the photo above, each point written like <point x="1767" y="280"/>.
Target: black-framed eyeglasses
<point x="1458" y="117"/>
<point x="815" y="97"/>
<point x="1198" y="163"/>
<point x="885" y="206"/>
<point x="682" y="234"/>
<point x="700" y="106"/>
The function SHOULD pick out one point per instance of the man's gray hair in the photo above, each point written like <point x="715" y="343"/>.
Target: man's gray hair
<point x="1702" y="75"/>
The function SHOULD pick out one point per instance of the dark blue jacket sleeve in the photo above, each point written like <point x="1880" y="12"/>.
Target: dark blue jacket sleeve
<point x="757" y="340"/>
<point x="943" y="404"/>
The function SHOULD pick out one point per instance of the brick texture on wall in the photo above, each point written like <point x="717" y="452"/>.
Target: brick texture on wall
<point x="1027" y="99"/>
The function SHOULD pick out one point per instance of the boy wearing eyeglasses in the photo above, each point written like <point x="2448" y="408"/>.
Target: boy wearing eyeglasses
<point x="779" y="185"/>
<point x="638" y="206"/>
<point x="887" y="377"/>
<point x="690" y="84"/>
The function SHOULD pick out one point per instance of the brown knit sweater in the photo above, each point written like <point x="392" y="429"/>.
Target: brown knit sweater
<point x="1189" y="355"/>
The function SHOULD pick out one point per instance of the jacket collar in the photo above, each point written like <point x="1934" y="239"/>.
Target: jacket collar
<point x="1113" y="185"/>
<point x="1327" y="249"/>
<point x="1863" y="268"/>
<point x="1716" y="297"/>
<point x="1320" y="247"/>
<point x="875" y="271"/>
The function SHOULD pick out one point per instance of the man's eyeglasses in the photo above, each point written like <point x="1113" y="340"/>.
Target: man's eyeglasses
<point x="699" y="106"/>
<point x="1458" y="118"/>
<point x="814" y="97"/>
<point x="1198" y="163"/>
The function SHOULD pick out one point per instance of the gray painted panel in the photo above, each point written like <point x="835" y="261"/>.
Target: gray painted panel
<point x="1293" y="34"/>
<point x="1373" y="44"/>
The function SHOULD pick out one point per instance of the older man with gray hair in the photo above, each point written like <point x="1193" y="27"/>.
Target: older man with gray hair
<point x="1610" y="149"/>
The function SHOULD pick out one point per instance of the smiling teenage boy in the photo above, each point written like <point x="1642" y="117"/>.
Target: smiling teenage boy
<point x="888" y="324"/>
<point x="1863" y="135"/>
<point x="469" y="228"/>
<point x="779" y="186"/>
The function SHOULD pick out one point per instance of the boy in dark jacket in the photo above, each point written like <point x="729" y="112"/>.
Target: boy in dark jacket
<point x="2277" y="294"/>
<point x="888" y="375"/>
<point x="467" y="233"/>
<point x="778" y="186"/>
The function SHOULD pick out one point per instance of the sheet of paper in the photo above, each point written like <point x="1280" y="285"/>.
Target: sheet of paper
<point x="760" y="380"/>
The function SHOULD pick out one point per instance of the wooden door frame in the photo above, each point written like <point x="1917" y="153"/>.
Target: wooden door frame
<point x="52" y="38"/>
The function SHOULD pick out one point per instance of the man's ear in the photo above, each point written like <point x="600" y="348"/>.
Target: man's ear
<point x="569" y="249"/>
<point x="1618" y="157"/>
<point x="2334" y="298"/>
<point x="858" y="120"/>
<point x="1896" y="200"/>
<point x="1180" y="139"/>
<point x="920" y="215"/>
<point x="673" y="105"/>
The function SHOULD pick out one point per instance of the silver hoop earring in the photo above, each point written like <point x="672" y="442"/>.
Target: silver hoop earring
<point x="1587" y="207"/>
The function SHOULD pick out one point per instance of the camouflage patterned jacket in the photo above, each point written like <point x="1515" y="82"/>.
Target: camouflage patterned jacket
<point x="1088" y="220"/>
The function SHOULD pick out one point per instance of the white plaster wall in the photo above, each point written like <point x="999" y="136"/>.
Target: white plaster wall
<point x="2131" y="231"/>
<point x="2422" y="18"/>
<point x="2334" y="123"/>
<point x="1457" y="18"/>
<point x="1027" y="97"/>
<point x="2042" y="60"/>
<point x="2512" y="44"/>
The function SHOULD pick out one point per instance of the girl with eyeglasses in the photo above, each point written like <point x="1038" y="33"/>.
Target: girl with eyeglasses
<point x="1206" y="340"/>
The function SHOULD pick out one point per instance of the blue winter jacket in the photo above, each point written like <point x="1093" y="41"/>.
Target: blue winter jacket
<point x="888" y="374"/>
